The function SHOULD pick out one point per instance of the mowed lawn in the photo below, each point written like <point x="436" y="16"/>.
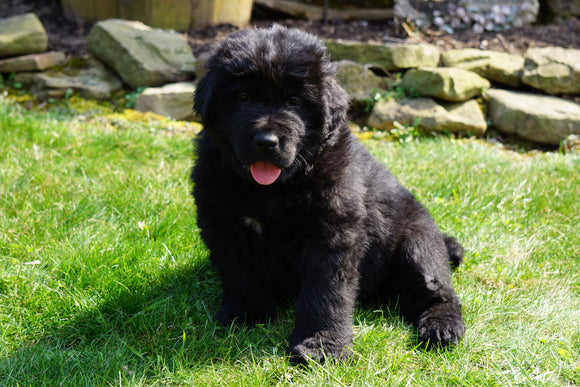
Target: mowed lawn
<point x="104" y="279"/>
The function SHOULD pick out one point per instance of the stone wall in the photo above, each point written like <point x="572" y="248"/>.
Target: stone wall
<point x="458" y="91"/>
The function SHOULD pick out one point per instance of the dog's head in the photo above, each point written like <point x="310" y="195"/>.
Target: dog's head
<point x="270" y="102"/>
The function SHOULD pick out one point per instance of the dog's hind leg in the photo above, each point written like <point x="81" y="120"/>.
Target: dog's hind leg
<point x="455" y="251"/>
<point x="423" y="283"/>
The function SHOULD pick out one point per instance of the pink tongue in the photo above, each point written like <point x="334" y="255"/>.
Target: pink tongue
<point x="264" y="173"/>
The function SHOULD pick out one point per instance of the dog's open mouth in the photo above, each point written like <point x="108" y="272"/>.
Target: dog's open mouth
<point x="264" y="172"/>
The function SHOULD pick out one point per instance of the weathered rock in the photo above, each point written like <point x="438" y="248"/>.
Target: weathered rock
<point x="360" y="82"/>
<point x="173" y="100"/>
<point x="32" y="62"/>
<point x="463" y="117"/>
<point x="142" y="56"/>
<point x="21" y="35"/>
<point x="388" y="56"/>
<point x="541" y="119"/>
<point x="89" y="78"/>
<point x="449" y="84"/>
<point x="496" y="66"/>
<point x="565" y="8"/>
<point x="554" y="70"/>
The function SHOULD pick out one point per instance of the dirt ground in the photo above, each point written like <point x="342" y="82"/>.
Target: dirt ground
<point x="69" y="37"/>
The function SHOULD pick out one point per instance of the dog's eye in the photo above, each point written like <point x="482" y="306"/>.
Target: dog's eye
<point x="294" y="101"/>
<point x="243" y="97"/>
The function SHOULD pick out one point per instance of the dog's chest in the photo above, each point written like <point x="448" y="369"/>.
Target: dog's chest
<point x="266" y="233"/>
<point x="274" y="247"/>
<point x="253" y="224"/>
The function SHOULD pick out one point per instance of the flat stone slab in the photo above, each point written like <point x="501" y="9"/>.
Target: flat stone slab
<point x="91" y="79"/>
<point x="387" y="56"/>
<point x="463" y="117"/>
<point x="542" y="119"/>
<point x="495" y="66"/>
<point x="555" y="70"/>
<point x="449" y="84"/>
<point x="174" y="100"/>
<point x="141" y="55"/>
<point x="21" y="35"/>
<point x="32" y="62"/>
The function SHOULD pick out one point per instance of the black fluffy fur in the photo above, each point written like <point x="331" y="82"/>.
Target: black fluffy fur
<point x="335" y="227"/>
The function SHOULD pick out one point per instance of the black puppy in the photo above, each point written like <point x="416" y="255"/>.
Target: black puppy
<point x="290" y="204"/>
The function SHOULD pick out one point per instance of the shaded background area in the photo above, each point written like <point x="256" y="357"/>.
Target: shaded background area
<point x="69" y="37"/>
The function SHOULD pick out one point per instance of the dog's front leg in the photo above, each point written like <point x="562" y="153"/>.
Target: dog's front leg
<point x="247" y="296"/>
<point x="324" y="308"/>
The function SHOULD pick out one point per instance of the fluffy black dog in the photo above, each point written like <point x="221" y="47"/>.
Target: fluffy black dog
<point x="290" y="204"/>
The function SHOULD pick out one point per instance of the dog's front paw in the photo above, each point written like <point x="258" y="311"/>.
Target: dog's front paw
<point x="318" y="349"/>
<point x="441" y="325"/>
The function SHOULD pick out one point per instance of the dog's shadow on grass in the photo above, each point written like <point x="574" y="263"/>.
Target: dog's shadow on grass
<point x="142" y="331"/>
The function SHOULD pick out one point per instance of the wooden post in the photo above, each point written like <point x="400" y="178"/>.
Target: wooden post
<point x="176" y="14"/>
<point x="135" y="10"/>
<point x="173" y="14"/>
<point x="207" y="12"/>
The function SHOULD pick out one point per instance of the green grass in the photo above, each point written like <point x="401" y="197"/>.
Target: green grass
<point x="104" y="279"/>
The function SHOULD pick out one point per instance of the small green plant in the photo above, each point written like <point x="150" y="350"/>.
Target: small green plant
<point x="131" y="98"/>
<point x="395" y="92"/>
<point x="10" y="82"/>
<point x="405" y="133"/>
<point x="68" y="93"/>
<point x="413" y="93"/>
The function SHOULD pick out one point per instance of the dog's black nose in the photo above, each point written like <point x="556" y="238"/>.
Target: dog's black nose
<point x="266" y="141"/>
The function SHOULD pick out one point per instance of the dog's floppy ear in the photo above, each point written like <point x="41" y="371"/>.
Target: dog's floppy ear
<point x="203" y="94"/>
<point x="336" y="105"/>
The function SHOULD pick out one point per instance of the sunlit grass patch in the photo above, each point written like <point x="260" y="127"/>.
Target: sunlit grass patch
<point x="104" y="279"/>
